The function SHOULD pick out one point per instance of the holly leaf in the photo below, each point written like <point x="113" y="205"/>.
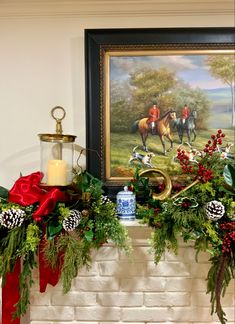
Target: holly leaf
<point x="229" y="175"/>
<point x="3" y="193"/>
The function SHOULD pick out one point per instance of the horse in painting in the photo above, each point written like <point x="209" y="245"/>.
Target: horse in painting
<point x="162" y="129"/>
<point x="189" y="127"/>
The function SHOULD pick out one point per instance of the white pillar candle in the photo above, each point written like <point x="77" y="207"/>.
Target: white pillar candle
<point x="57" y="173"/>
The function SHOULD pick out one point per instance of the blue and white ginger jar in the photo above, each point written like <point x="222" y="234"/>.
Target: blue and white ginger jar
<point x="126" y="204"/>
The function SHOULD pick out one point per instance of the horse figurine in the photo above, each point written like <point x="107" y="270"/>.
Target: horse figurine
<point x="162" y="129"/>
<point x="189" y="127"/>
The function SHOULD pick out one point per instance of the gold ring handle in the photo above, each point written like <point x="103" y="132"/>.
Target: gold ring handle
<point x="58" y="120"/>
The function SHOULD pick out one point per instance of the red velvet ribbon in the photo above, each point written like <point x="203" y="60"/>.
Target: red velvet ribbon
<point x="10" y="295"/>
<point x="27" y="191"/>
<point x="47" y="274"/>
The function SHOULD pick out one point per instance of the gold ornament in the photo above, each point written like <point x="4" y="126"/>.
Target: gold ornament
<point x="167" y="180"/>
<point x="185" y="189"/>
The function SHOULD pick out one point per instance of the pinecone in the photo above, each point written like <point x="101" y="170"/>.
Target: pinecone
<point x="214" y="210"/>
<point x="72" y="221"/>
<point x="12" y="217"/>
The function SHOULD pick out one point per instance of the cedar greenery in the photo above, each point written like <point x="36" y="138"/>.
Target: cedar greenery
<point x="185" y="217"/>
<point x="69" y="250"/>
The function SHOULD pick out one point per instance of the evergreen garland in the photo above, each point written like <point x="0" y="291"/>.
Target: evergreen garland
<point x="202" y="212"/>
<point x="88" y="219"/>
<point x="66" y="235"/>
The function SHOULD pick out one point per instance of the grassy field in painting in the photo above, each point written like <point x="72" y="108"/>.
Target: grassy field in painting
<point x="123" y="144"/>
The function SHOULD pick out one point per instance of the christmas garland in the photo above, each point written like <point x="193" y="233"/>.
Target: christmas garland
<point x="59" y="228"/>
<point x="202" y="212"/>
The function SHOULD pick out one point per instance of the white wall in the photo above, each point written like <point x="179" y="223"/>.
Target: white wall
<point x="42" y="62"/>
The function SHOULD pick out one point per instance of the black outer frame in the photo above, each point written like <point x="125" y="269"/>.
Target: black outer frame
<point x="96" y="41"/>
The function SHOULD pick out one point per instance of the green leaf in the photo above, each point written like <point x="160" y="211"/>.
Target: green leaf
<point x="53" y="228"/>
<point x="3" y="193"/>
<point x="229" y="175"/>
<point x="89" y="235"/>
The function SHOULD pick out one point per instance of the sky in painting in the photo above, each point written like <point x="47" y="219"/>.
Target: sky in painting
<point x="190" y="68"/>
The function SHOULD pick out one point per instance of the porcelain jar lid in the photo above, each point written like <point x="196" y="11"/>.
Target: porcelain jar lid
<point x="125" y="192"/>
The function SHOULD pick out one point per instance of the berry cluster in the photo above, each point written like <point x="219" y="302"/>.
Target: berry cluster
<point x="216" y="140"/>
<point x="229" y="239"/>
<point x="228" y="242"/>
<point x="228" y="226"/>
<point x="204" y="174"/>
<point x="133" y="186"/>
<point x="184" y="161"/>
<point x="177" y="187"/>
<point x="160" y="187"/>
<point x="186" y="203"/>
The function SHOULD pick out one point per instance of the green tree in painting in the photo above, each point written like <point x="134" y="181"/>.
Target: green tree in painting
<point x="131" y="101"/>
<point x="151" y="85"/>
<point x="121" y="113"/>
<point x="195" y="99"/>
<point x="223" y="67"/>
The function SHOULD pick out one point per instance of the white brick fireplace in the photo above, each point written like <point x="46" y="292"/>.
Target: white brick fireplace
<point x="122" y="289"/>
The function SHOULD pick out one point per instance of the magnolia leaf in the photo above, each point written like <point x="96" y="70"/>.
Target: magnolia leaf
<point x="89" y="235"/>
<point x="53" y="228"/>
<point x="229" y="175"/>
<point x="3" y="193"/>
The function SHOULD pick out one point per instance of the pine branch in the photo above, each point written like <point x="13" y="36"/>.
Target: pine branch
<point x="25" y="282"/>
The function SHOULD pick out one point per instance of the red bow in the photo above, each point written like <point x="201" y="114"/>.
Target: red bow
<point x="27" y="191"/>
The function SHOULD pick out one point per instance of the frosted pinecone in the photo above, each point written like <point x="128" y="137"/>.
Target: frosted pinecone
<point x="12" y="217"/>
<point x="72" y="221"/>
<point x="214" y="210"/>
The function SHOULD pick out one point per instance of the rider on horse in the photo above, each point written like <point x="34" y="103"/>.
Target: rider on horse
<point x="154" y="115"/>
<point x="185" y="113"/>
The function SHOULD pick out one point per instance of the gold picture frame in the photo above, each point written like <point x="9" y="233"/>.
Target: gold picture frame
<point x="106" y="51"/>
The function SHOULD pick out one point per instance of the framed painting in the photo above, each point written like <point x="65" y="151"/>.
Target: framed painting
<point x="142" y="85"/>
